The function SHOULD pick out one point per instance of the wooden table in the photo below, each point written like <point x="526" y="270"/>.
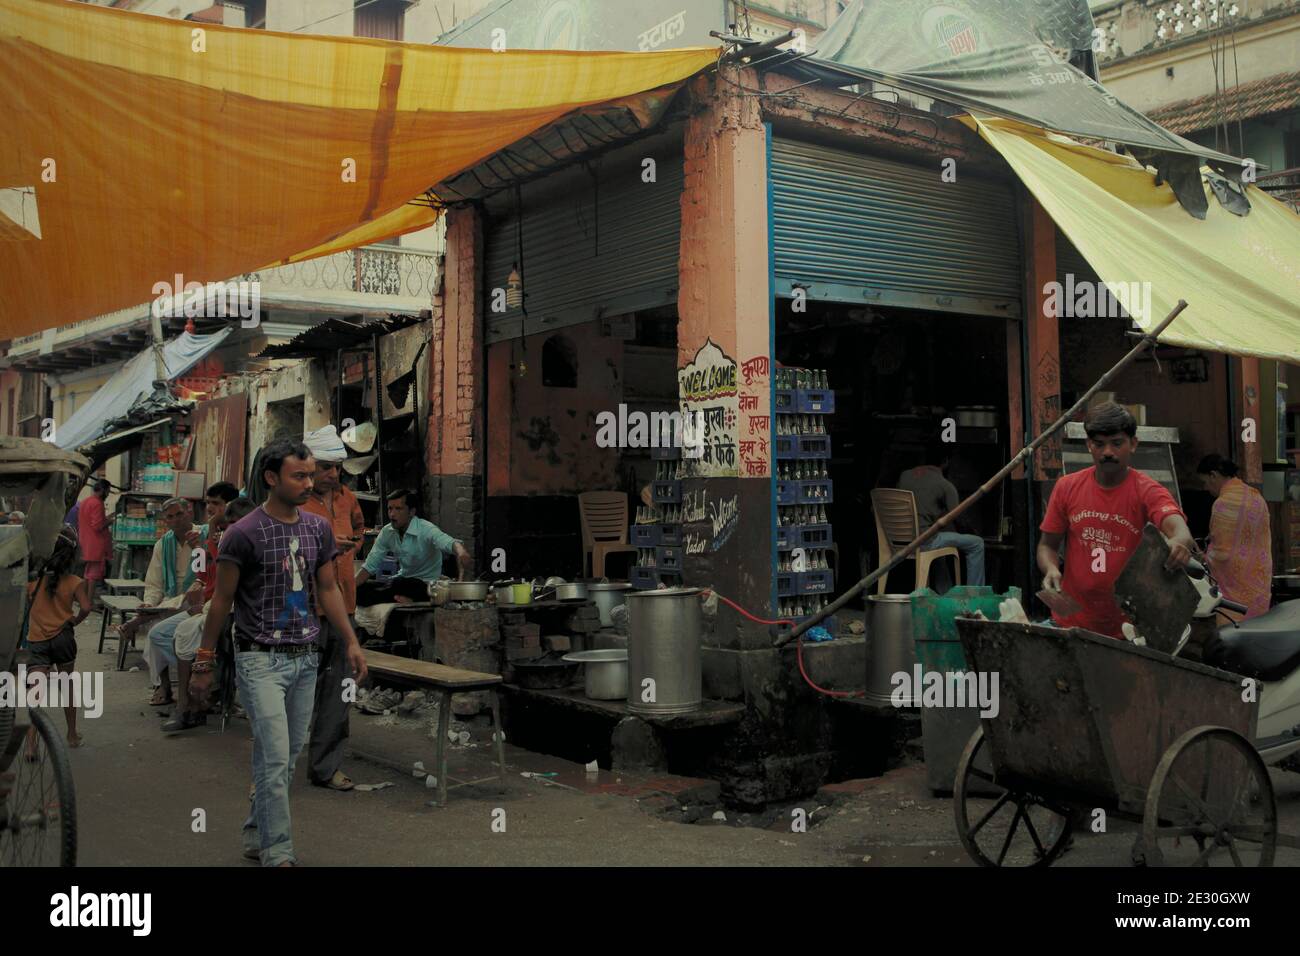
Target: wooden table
<point x="124" y="604"/>
<point x="124" y="586"/>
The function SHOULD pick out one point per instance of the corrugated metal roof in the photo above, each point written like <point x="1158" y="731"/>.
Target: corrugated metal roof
<point x="334" y="334"/>
<point x="1274" y="94"/>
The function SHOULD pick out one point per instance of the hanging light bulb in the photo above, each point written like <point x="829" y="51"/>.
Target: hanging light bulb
<point x="1196" y="21"/>
<point x="514" y="288"/>
<point x="1233" y="10"/>
<point x="1196" y="4"/>
<point x="1160" y="15"/>
<point x="1178" y="9"/>
<point x="1162" y="33"/>
<point x="1178" y="27"/>
<point x="1214" y="17"/>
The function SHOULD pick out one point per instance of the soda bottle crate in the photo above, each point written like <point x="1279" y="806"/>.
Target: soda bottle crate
<point x="814" y="401"/>
<point x="666" y="453"/>
<point x="785" y="446"/>
<point x="815" y="582"/>
<point x="811" y="446"/>
<point x="783" y="398"/>
<point x="787" y="583"/>
<point x="667" y="492"/>
<point x="669" y="579"/>
<point x="787" y="492"/>
<point x="668" y="559"/>
<point x="786" y="537"/>
<point x="644" y="579"/>
<point x="670" y="535"/>
<point x="646" y="535"/>
<point x="811" y="536"/>
<point x="813" y="491"/>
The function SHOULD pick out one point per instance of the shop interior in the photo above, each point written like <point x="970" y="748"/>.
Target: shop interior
<point x="1168" y="387"/>
<point x="545" y="391"/>
<point x="896" y="375"/>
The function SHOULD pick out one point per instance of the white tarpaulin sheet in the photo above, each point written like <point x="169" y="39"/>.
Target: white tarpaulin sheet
<point x="132" y="382"/>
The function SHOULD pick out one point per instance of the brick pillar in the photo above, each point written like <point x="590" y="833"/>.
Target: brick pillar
<point x="453" y="495"/>
<point x="724" y="300"/>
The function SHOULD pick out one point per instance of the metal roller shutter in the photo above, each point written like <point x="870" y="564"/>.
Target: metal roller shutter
<point x="595" y="241"/>
<point x="855" y="228"/>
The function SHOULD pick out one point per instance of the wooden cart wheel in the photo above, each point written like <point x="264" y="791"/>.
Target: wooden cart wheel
<point x="1210" y="801"/>
<point x="1011" y="829"/>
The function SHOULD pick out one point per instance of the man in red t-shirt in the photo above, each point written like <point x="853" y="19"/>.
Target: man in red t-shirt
<point x="1099" y="513"/>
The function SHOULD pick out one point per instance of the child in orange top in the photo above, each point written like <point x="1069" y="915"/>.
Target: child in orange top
<point x="51" y="620"/>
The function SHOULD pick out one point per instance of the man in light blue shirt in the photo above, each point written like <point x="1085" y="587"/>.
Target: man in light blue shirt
<point x="419" y="546"/>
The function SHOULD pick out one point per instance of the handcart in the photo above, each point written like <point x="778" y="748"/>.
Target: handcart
<point x="1089" y="728"/>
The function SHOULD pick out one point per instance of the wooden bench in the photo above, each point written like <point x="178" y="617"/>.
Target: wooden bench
<point x="446" y="681"/>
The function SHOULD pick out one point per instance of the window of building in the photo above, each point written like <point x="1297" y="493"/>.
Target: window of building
<point x="379" y="19"/>
<point x="559" y="363"/>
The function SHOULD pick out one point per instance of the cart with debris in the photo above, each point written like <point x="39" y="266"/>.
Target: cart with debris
<point x="38" y="808"/>
<point x="1090" y="728"/>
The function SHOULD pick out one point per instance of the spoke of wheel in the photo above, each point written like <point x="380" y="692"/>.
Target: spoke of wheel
<point x="988" y="816"/>
<point x="1251" y="834"/>
<point x="1204" y="858"/>
<point x="1232" y="849"/>
<point x="1199" y="803"/>
<point x="1006" y="844"/>
<point x="1033" y="834"/>
<point x="976" y="772"/>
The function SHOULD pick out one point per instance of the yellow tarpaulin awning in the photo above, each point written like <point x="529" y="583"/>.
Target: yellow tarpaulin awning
<point x="159" y="147"/>
<point x="1240" y="275"/>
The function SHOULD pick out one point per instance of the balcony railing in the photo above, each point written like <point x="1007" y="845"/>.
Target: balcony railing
<point x="405" y="277"/>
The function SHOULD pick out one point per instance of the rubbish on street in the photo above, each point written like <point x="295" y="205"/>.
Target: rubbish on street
<point x="367" y="787"/>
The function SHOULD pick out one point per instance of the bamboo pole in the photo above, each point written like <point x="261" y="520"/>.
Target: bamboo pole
<point x="1025" y="455"/>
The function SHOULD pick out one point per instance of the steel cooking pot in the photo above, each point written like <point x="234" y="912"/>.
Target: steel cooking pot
<point x="467" y="591"/>
<point x="607" y="597"/>
<point x="604" y="673"/>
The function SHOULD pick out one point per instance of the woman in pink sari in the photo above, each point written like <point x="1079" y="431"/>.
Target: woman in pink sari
<point x="1239" y="547"/>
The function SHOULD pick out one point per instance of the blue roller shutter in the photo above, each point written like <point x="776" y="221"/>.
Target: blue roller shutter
<point x="855" y="228"/>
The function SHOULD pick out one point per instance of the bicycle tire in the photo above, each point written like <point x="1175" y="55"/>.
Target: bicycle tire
<point x="61" y="766"/>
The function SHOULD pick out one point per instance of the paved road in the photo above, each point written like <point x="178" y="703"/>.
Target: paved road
<point x="138" y="792"/>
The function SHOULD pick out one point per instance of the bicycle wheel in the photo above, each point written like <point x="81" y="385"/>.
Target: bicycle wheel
<point x="42" y="827"/>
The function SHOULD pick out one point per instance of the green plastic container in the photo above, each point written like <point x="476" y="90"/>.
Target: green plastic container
<point x="945" y="730"/>
<point x="933" y="629"/>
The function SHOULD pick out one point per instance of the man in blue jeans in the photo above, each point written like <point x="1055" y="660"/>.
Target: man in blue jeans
<point x="271" y="564"/>
<point x="935" y="497"/>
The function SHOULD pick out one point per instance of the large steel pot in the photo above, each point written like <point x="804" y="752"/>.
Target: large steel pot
<point x="604" y="673"/>
<point x="663" y="659"/>
<point x="467" y="591"/>
<point x="607" y="597"/>
<point x="562" y="591"/>
<point x="890" y="649"/>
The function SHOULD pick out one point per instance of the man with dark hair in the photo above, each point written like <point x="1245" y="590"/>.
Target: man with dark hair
<point x="96" y="535"/>
<point x="419" y="546"/>
<point x="217" y="497"/>
<point x="274" y="567"/>
<point x="935" y="496"/>
<point x="1099" y="514"/>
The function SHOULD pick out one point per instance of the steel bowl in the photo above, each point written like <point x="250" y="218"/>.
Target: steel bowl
<point x="604" y="673"/>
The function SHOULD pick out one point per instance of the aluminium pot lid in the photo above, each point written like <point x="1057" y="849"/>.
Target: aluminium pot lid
<point x="666" y="592"/>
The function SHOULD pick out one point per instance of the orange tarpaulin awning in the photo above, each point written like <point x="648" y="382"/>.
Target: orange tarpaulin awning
<point x="161" y="147"/>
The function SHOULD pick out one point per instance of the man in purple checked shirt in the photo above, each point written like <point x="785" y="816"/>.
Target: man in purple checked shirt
<point x="273" y="565"/>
